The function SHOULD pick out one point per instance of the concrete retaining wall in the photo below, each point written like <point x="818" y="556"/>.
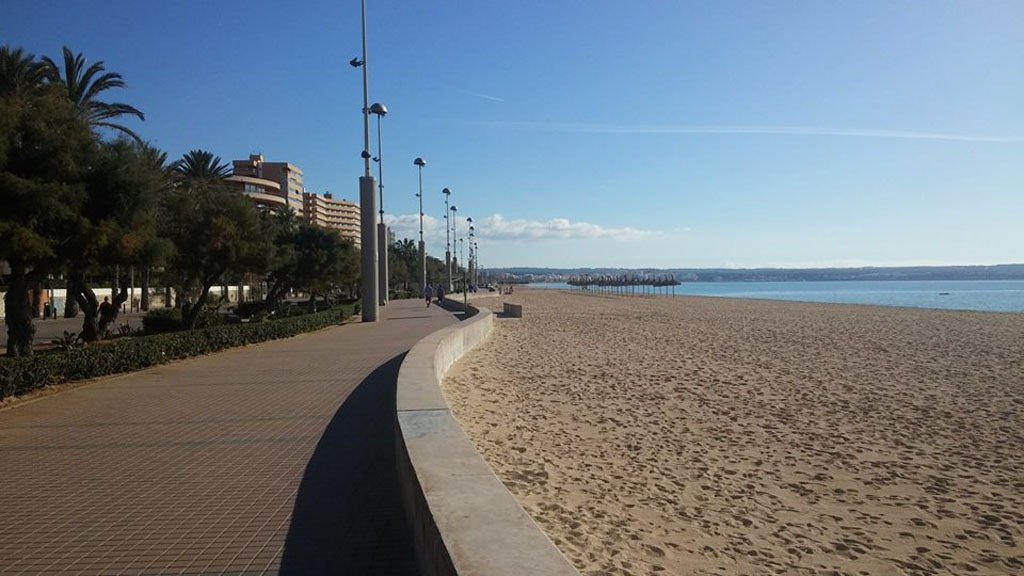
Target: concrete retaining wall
<point x="465" y="522"/>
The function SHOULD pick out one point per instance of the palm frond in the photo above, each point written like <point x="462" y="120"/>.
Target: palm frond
<point x="84" y="85"/>
<point x="18" y="70"/>
<point x="105" y="111"/>
<point x="104" y="82"/>
<point x="122" y="129"/>
<point x="201" y="166"/>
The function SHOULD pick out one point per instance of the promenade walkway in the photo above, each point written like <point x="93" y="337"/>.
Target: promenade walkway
<point x="276" y="458"/>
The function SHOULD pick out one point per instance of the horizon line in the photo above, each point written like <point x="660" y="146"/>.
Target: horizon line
<point x="764" y="267"/>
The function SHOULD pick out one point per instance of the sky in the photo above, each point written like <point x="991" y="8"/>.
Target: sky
<point x="576" y="133"/>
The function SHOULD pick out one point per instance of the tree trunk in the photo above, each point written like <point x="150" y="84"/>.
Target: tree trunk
<point x="144" y="281"/>
<point x="87" y="302"/>
<point x="189" y="317"/>
<point x="20" y="330"/>
<point x="70" y="303"/>
<point x="167" y="297"/>
<point x="275" y="292"/>
<point x="37" y="299"/>
<point x="312" y="301"/>
<point x="190" y="314"/>
<point x="108" y="318"/>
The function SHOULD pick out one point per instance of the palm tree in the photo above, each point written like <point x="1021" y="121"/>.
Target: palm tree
<point x="154" y="157"/>
<point x="287" y="220"/>
<point x="18" y="70"/>
<point x="201" y="166"/>
<point x="85" y="84"/>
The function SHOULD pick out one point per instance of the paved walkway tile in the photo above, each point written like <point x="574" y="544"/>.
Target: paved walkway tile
<point x="274" y="458"/>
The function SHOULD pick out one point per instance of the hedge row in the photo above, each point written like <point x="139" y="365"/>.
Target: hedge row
<point x="20" y="375"/>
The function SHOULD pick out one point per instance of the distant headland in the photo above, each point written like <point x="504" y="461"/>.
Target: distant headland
<point x="996" y="272"/>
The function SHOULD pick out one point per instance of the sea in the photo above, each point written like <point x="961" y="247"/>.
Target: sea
<point x="986" y="295"/>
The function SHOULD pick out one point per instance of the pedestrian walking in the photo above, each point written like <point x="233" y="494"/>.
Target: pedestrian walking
<point x="440" y="295"/>
<point x="429" y="293"/>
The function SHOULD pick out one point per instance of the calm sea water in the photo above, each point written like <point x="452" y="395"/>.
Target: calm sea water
<point x="990" y="295"/>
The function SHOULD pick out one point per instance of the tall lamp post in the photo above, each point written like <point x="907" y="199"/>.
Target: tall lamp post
<point x="447" y="240"/>
<point x="420" y="163"/>
<point x="476" y="265"/>
<point x="469" y="270"/>
<point x="382" y="230"/>
<point x="367" y="208"/>
<point x="455" y="241"/>
<point x="462" y="256"/>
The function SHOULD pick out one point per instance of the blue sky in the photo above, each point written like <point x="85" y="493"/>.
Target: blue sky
<point x="600" y="133"/>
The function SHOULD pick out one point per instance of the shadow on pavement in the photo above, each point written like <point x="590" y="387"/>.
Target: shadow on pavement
<point x="348" y="516"/>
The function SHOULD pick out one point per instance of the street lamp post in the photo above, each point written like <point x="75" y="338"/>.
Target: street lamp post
<point x="420" y="163"/>
<point x="367" y="209"/>
<point x="382" y="230"/>
<point x="465" y="287"/>
<point x="447" y="240"/>
<point x="469" y="270"/>
<point x="455" y="240"/>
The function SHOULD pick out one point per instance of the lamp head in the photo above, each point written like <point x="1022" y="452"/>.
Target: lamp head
<point x="378" y="109"/>
<point x="446" y="192"/>
<point x="420" y="162"/>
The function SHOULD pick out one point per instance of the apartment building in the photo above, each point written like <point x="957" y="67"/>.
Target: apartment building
<point x="328" y="212"/>
<point x="281" y="181"/>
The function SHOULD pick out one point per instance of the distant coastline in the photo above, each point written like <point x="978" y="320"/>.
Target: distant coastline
<point x="917" y="273"/>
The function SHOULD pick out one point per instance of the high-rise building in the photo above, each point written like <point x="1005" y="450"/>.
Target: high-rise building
<point x="257" y="178"/>
<point x="328" y="212"/>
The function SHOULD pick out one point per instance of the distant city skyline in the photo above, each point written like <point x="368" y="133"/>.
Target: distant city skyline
<point x="606" y="134"/>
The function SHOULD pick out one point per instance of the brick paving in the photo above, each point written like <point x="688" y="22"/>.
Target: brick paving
<point x="276" y="458"/>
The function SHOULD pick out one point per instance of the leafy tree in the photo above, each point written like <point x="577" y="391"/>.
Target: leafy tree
<point x="309" y="258"/>
<point x="84" y="85"/>
<point x="403" y="265"/>
<point x="156" y="251"/>
<point x="44" y="147"/>
<point x="215" y="231"/>
<point x="118" y="225"/>
<point x="436" y="273"/>
<point x="283" y="226"/>
<point x="320" y="261"/>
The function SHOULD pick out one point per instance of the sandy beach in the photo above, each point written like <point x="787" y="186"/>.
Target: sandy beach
<point x="719" y="436"/>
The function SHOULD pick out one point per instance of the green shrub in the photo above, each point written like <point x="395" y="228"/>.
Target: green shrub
<point x="161" y="320"/>
<point x="209" y="318"/>
<point x="20" y="375"/>
<point x="252" y="308"/>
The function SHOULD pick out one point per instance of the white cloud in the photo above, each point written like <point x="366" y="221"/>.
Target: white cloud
<point x="500" y="228"/>
<point x="497" y="227"/>
<point x="408" y="226"/>
<point x="483" y="96"/>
